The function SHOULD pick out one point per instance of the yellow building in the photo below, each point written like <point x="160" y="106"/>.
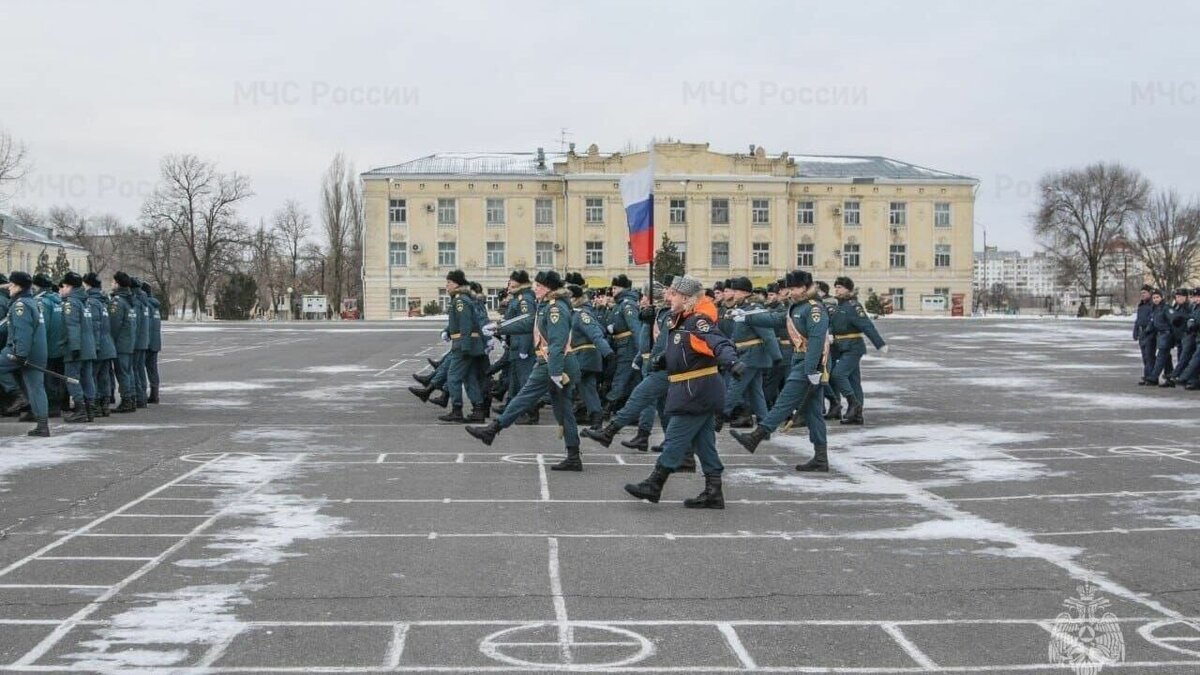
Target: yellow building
<point x="23" y="244"/>
<point x="891" y="226"/>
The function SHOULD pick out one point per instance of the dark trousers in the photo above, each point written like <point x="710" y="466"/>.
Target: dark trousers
<point x="646" y="398"/>
<point x="688" y="432"/>
<point x="796" y="392"/>
<point x="1148" y="346"/>
<point x="56" y="389"/>
<point x="538" y="385"/>
<point x="33" y="380"/>
<point x="125" y="377"/>
<point x="85" y="390"/>
<point x="139" y="375"/>
<point x="103" y="376"/>
<point x="152" y="369"/>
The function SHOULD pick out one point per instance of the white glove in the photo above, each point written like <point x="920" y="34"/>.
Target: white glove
<point x="522" y="355"/>
<point x="610" y="328"/>
<point x="740" y="317"/>
<point x="557" y="380"/>
<point x="489" y="329"/>
<point x="445" y="336"/>
<point x="635" y="365"/>
<point x="494" y="343"/>
<point x="736" y="312"/>
<point x="883" y="349"/>
<point x="815" y="379"/>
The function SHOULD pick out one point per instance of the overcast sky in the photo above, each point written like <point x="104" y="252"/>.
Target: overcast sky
<point x="1002" y="91"/>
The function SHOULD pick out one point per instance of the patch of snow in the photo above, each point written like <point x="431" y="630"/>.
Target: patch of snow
<point x="21" y="453"/>
<point x="208" y="387"/>
<point x="1116" y="401"/>
<point x="277" y="522"/>
<point x="333" y="370"/>
<point x="823" y="159"/>
<point x="272" y="435"/>
<point x="217" y="402"/>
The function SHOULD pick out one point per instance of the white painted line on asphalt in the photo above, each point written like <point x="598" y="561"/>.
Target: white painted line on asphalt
<point x="391" y="367"/>
<point x="543" y="479"/>
<point x="93" y="557"/>
<point x="735" y="644"/>
<point x="560" y="604"/>
<point x="461" y="458"/>
<point x="382" y="458"/>
<point x="91" y="586"/>
<point x="396" y="648"/>
<point x="909" y="648"/>
<point x="161" y="515"/>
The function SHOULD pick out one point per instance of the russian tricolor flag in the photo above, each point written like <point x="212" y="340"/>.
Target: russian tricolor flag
<point x="637" y="192"/>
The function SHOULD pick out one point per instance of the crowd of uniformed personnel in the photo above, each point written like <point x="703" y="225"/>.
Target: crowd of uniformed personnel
<point x="69" y="347"/>
<point x="1166" y="332"/>
<point x="756" y="359"/>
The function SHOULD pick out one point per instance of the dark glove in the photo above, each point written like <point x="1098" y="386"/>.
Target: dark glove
<point x="646" y="314"/>
<point x="19" y="360"/>
<point x="737" y="369"/>
<point x="660" y="363"/>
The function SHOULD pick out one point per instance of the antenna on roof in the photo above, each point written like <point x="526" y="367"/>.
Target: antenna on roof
<point x="562" y="139"/>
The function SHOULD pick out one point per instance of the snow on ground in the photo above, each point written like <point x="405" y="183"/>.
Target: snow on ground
<point x="210" y="387"/>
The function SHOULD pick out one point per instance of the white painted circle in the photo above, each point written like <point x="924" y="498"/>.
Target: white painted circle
<point x="528" y="458"/>
<point x="204" y="457"/>
<point x="572" y="653"/>
<point x="1151" y="451"/>
<point x="1193" y="641"/>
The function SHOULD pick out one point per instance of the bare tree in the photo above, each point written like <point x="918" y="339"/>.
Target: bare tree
<point x="354" y="221"/>
<point x="1081" y="213"/>
<point x="266" y="267"/>
<point x="335" y="215"/>
<point x="13" y="161"/>
<point x="291" y="225"/>
<point x="1166" y="237"/>
<point x="199" y="204"/>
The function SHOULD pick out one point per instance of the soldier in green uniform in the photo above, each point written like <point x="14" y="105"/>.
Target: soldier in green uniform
<point x="623" y="325"/>
<point x="141" y="305"/>
<point x="807" y="322"/>
<point x="757" y="349"/>
<point x="555" y="372"/>
<point x="591" y="350"/>
<point x="466" y="345"/>
<point x="45" y="291"/>
<point x="122" y="321"/>
<point x="81" y="348"/>
<point x="25" y="347"/>
<point x="106" y="349"/>
<point x="517" y="329"/>
<point x="155" y="342"/>
<point x="848" y="324"/>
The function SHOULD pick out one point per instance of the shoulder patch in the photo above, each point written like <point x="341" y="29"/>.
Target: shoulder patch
<point x="703" y="325"/>
<point x="19" y="309"/>
<point x="67" y="309"/>
<point x="458" y="305"/>
<point x="816" y="314"/>
<point x="861" y="312"/>
<point x="524" y="306"/>
<point x="585" y="317"/>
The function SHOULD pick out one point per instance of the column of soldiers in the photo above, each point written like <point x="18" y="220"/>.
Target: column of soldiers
<point x="69" y="348"/>
<point x="1166" y="331"/>
<point x="695" y="358"/>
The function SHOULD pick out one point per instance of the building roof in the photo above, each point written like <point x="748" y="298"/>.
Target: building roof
<point x="11" y="228"/>
<point x="474" y="163"/>
<point x="817" y="167"/>
<point x="867" y="166"/>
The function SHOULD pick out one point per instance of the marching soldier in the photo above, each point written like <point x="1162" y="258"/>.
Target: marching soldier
<point x="757" y="350"/>
<point x="591" y="350"/>
<point x="81" y="348"/>
<point x="123" y="326"/>
<point x="106" y="349"/>
<point x="849" y="323"/>
<point x="466" y="344"/>
<point x="695" y="352"/>
<point x="774" y="380"/>
<point x="807" y="322"/>
<point x="517" y="329"/>
<point x="1183" y="338"/>
<point x="555" y="371"/>
<point x="1191" y="372"/>
<point x="154" y="345"/>
<point x="25" y="351"/>
<point x="623" y="326"/>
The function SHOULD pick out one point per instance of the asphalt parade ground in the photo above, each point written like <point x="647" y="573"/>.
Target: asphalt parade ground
<point x="289" y="507"/>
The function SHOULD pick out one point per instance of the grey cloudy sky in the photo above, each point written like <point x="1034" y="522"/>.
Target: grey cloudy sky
<point x="1003" y="91"/>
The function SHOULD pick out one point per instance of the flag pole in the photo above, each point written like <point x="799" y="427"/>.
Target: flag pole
<point x="652" y="239"/>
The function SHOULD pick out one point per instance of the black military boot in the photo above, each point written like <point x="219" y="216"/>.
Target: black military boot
<point x="711" y="497"/>
<point x="19" y="403"/>
<point x="854" y="411"/>
<point x="596" y="420"/>
<point x="141" y="401"/>
<point x="423" y="379"/>
<point x="79" y="414"/>
<point x="455" y="415"/>
<point x="434" y="364"/>
<point x="657" y="448"/>
<point x="153" y="395"/>
<point x="743" y="420"/>
<point x="1192" y="386"/>
<point x="750" y="441"/>
<point x="573" y="462"/>
<point x="1167" y="383"/>
<point x="486" y="433"/>
<point x="719" y="421"/>
<point x="102" y="408"/>
<point x="604" y="435"/>
<point x="478" y="414"/>
<point x="441" y="401"/>
<point x="835" y="408"/>
<point x="640" y="441"/>
<point x="819" y="461"/>
<point x="421" y="392"/>
<point x="651" y="488"/>
<point x="89" y="407"/>
<point x="127" y="406"/>
<point x="531" y="417"/>
<point x="688" y="465"/>
<point x="42" y="428"/>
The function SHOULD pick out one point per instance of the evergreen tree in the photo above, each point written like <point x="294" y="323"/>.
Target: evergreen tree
<point x="61" y="265"/>
<point x="667" y="261"/>
<point x="43" y="264"/>
<point x="236" y="298"/>
<point x="874" y="304"/>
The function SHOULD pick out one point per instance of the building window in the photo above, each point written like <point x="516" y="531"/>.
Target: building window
<point x="543" y="254"/>
<point x="495" y="254"/>
<point x="629" y="254"/>
<point x="851" y="255"/>
<point x="898" y="214"/>
<point x="398" y="301"/>
<point x="941" y="255"/>
<point x="493" y="298"/>
<point x="719" y="254"/>
<point x="444" y="300"/>
<point x="447" y="253"/>
<point x="398" y="254"/>
<point x="543" y="212"/>
<point x="495" y="211"/>
<point x="806" y="213"/>
<point x="397" y="211"/>
<point x="943" y="291"/>
<point x="719" y="212"/>
<point x="941" y="214"/>
<point x="593" y="211"/>
<point x="851" y="215"/>
<point x="897" y="256"/>
<point x="897" y="295"/>
<point x="760" y="254"/>
<point x="681" y="247"/>
<point x="805" y="255"/>
<point x="593" y="253"/>
<point x="447" y="211"/>
<point x="678" y="212"/>
<point x="760" y="212"/>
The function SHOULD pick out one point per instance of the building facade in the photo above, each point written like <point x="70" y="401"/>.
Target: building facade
<point x="895" y="228"/>
<point x="1035" y="280"/>
<point x="22" y="245"/>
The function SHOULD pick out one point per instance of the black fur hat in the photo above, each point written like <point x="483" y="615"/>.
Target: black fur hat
<point x="122" y="279"/>
<point x="519" y="276"/>
<point x="21" y="279"/>
<point x="622" y="281"/>
<point x="457" y="276"/>
<point x="741" y="284"/>
<point x="42" y="281"/>
<point x="845" y="282"/>
<point x="71" y="279"/>
<point x="797" y="278"/>
<point x="549" y="279"/>
<point x="92" y="280"/>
